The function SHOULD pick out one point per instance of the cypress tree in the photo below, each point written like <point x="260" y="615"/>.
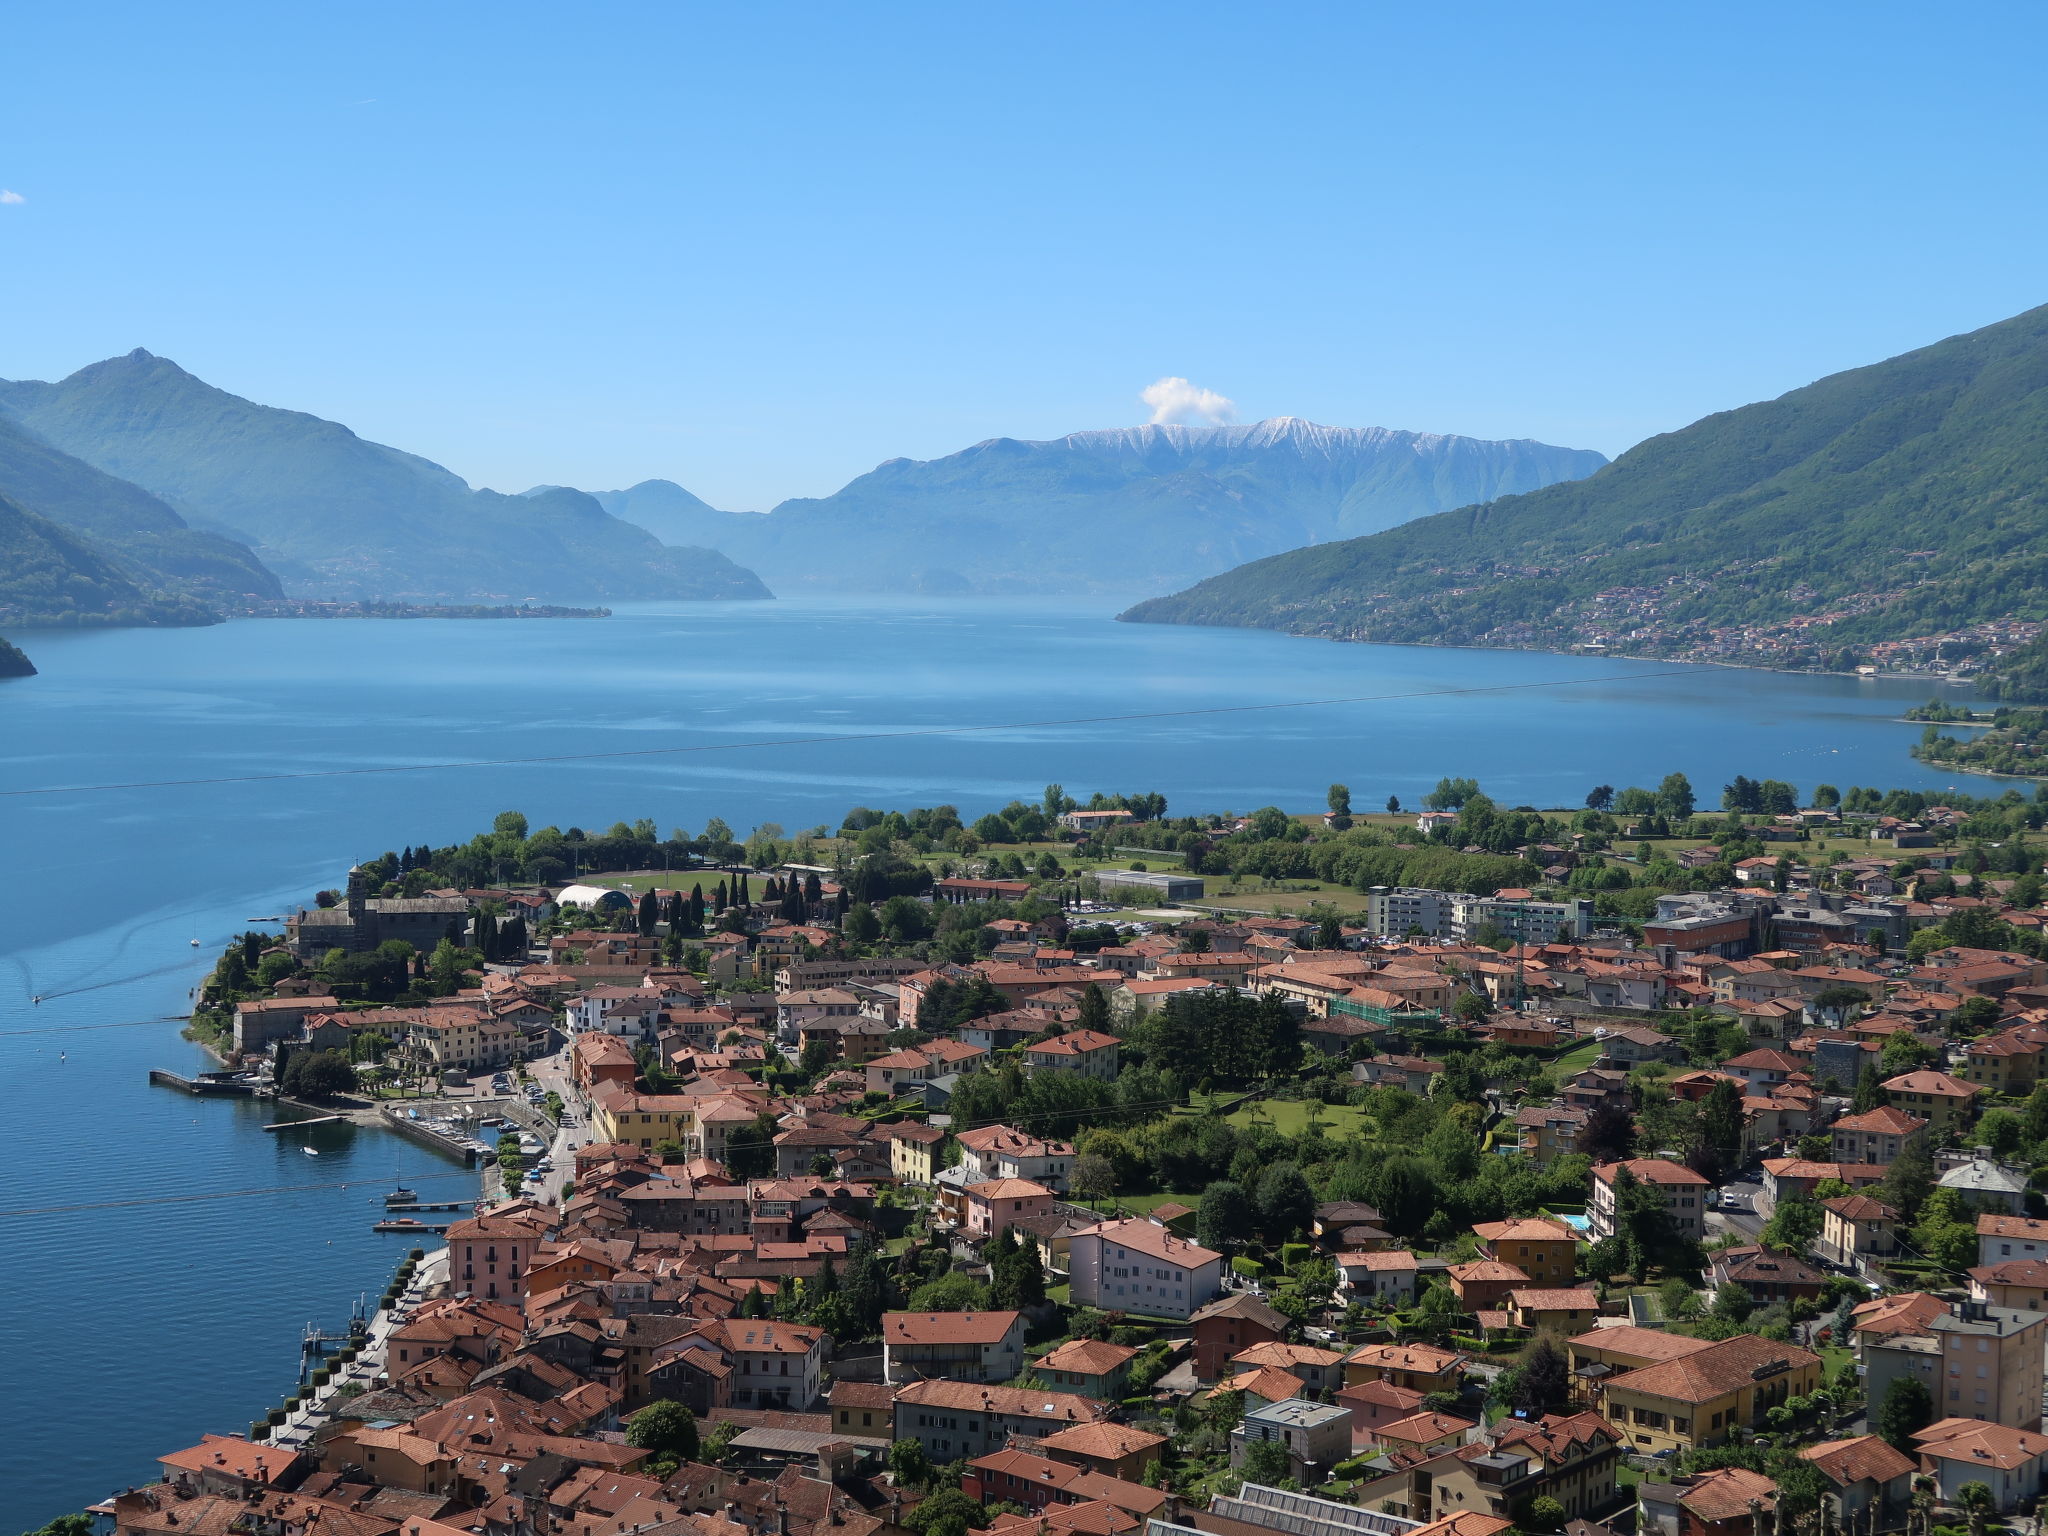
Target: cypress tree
<point x="718" y="897"/>
<point x="647" y="915"/>
<point x="814" y="890"/>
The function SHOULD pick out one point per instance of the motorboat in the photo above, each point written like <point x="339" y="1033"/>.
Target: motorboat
<point x="309" y="1152"/>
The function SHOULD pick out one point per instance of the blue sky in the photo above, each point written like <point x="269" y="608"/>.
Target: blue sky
<point x="758" y="249"/>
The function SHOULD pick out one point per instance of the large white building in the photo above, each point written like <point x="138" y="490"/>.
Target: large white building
<point x="1135" y="1265"/>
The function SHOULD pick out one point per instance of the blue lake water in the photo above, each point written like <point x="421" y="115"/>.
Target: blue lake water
<point x="132" y="1328"/>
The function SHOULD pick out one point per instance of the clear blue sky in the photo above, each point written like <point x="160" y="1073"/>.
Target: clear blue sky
<point x="759" y="248"/>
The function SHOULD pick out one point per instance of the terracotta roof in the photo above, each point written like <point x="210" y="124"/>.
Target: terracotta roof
<point x="1149" y="1238"/>
<point x="1852" y="1461"/>
<point x="1423" y="1359"/>
<point x="1487" y="1269"/>
<point x="1886" y="1121"/>
<point x="1649" y="1345"/>
<point x="1979" y="1444"/>
<point x="1711" y="1372"/>
<point x="1648" y="1170"/>
<point x="2013" y="1226"/>
<point x="1269" y="1382"/>
<point x="232" y="1456"/>
<point x="1859" y="1208"/>
<point x="1423" y="1428"/>
<point x="1108" y="1442"/>
<point x="1939" y="1084"/>
<point x="1087" y="1357"/>
<point x="2013" y="1272"/>
<point x="1526" y="1229"/>
<point x="966" y="1396"/>
<point x="947" y="1327"/>
<point x="1727" y="1494"/>
<point x="1576" y="1299"/>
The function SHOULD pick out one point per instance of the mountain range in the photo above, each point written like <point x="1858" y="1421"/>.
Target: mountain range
<point x="1902" y="499"/>
<point x="1139" y="506"/>
<point x="206" y="495"/>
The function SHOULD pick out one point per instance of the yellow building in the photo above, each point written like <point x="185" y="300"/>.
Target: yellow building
<point x="1937" y="1098"/>
<point x="913" y="1150"/>
<point x="1546" y="1251"/>
<point x="1696" y="1399"/>
<point x="632" y="1119"/>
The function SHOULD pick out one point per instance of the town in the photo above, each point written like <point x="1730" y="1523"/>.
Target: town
<point x="1081" y="1169"/>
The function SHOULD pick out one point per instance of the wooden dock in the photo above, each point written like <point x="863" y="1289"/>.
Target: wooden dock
<point x="435" y="1227"/>
<point x="292" y="1125"/>
<point x="436" y="1205"/>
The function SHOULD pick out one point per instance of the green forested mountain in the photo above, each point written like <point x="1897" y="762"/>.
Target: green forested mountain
<point x="338" y="517"/>
<point x="50" y="576"/>
<point x="1902" y="499"/>
<point x="13" y="663"/>
<point x="1136" y="507"/>
<point x="126" y="522"/>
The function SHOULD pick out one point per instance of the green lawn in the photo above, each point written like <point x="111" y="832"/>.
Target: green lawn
<point x="1576" y="1060"/>
<point x="1290" y="1117"/>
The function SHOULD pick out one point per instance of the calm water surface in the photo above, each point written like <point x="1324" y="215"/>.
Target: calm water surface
<point x="131" y="1328"/>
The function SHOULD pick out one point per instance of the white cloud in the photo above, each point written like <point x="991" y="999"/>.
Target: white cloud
<point x="7" y="197"/>
<point x="1175" y="401"/>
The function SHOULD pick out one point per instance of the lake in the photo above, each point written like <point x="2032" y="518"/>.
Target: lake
<point x="133" y="1327"/>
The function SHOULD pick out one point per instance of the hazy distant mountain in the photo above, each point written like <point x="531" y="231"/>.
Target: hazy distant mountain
<point x="125" y="523"/>
<point x="336" y="516"/>
<point x="1140" y="506"/>
<point x="1906" y="498"/>
<point x="52" y="577"/>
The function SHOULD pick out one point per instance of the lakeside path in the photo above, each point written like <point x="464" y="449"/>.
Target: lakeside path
<point x="367" y="1369"/>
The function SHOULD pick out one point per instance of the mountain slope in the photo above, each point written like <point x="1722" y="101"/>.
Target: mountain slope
<point x="337" y="516"/>
<point x="126" y="522"/>
<point x="1905" y="498"/>
<point x="1107" y="510"/>
<point x="50" y="577"/>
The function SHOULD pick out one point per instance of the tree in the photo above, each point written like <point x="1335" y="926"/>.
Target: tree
<point x="1870" y="1091"/>
<point x="947" y="1512"/>
<point x="1719" y="1129"/>
<point x="1393" y="805"/>
<point x="1339" y="800"/>
<point x="1094" y="1177"/>
<point x="1224" y="1218"/>
<point x="1544" y="1382"/>
<point x="1977" y="1504"/>
<point x="909" y="1466"/>
<point x="318" y="1075"/>
<point x="1609" y="1132"/>
<point x="1675" y="797"/>
<point x="1544" y="1514"/>
<point x="750" y="1150"/>
<point x="1285" y="1203"/>
<point x="1793" y="1226"/>
<point x="1265" y="1462"/>
<point x="1600" y="797"/>
<point x="1909" y="1180"/>
<point x="1907" y="1409"/>
<point x="667" y="1428"/>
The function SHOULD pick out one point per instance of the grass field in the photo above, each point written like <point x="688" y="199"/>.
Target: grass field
<point x="1576" y="1060"/>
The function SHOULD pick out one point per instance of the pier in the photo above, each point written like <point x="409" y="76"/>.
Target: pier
<point x="225" y="1083"/>
<point x="292" y="1125"/>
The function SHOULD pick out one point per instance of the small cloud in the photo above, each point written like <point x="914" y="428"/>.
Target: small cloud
<point x="1175" y="401"/>
<point x="8" y="199"/>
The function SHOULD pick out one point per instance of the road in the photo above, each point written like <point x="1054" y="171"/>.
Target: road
<point x="1743" y="1209"/>
<point x="552" y="1073"/>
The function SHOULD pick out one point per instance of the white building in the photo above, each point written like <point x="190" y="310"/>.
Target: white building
<point x="1138" y="1266"/>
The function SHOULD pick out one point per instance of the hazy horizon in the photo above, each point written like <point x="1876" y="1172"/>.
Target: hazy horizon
<point x="759" y="253"/>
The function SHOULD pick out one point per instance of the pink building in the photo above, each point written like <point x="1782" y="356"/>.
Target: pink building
<point x="997" y="1203"/>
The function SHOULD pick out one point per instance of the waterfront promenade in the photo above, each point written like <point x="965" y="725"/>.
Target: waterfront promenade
<point x="367" y="1369"/>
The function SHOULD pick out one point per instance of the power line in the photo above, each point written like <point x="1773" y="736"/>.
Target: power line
<point x="818" y="741"/>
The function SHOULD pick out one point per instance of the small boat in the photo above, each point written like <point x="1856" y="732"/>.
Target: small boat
<point x="195" y="943"/>
<point x="309" y="1152"/>
<point x="271" y="919"/>
<point x="402" y="1196"/>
